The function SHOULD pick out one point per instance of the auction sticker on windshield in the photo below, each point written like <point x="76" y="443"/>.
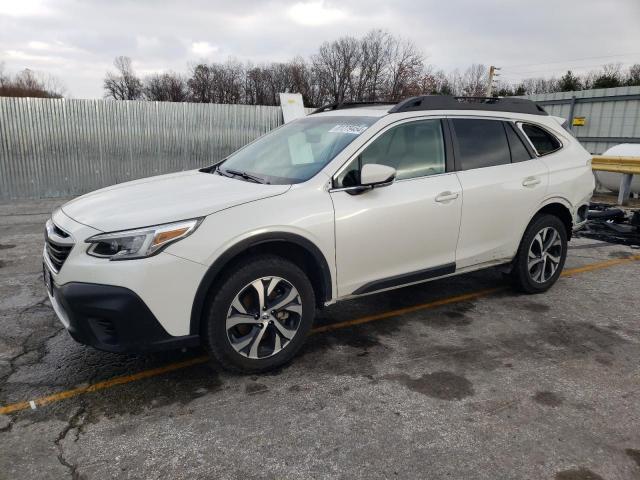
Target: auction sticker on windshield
<point x="348" y="128"/>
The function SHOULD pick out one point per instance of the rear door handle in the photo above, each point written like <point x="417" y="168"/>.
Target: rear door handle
<point x="531" y="182"/>
<point x="446" y="197"/>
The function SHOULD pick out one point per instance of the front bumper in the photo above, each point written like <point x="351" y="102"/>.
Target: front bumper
<point x="112" y="318"/>
<point x="165" y="283"/>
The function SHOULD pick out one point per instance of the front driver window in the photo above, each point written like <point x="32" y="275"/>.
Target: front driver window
<point x="414" y="149"/>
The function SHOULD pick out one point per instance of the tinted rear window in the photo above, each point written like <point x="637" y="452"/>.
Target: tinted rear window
<point x="519" y="152"/>
<point x="480" y="143"/>
<point x="541" y="140"/>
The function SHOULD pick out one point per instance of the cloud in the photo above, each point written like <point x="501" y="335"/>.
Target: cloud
<point x="77" y="40"/>
<point x="203" y="49"/>
<point x="35" y="45"/>
<point x="24" y="8"/>
<point x="315" y="13"/>
<point x="148" y="43"/>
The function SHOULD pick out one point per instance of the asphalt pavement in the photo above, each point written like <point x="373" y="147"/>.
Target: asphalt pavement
<point x="459" y="378"/>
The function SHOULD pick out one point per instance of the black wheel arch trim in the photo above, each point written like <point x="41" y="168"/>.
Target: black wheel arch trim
<point x="222" y="261"/>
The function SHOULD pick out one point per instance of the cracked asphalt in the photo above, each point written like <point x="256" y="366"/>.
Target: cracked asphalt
<point x="500" y="386"/>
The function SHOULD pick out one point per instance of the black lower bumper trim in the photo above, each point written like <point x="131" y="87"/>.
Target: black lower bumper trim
<point x="114" y="319"/>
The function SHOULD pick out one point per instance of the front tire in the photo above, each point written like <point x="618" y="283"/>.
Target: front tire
<point x="541" y="255"/>
<point x="260" y="315"/>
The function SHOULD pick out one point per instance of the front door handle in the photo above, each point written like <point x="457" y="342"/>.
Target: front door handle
<point x="531" y="182"/>
<point x="446" y="197"/>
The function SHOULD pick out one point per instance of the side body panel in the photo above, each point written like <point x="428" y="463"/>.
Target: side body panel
<point x="496" y="209"/>
<point x="305" y="211"/>
<point x="571" y="179"/>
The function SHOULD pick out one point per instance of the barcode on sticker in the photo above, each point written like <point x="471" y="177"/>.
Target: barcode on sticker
<point x="348" y="128"/>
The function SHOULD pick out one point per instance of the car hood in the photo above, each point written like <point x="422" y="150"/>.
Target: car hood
<point x="164" y="199"/>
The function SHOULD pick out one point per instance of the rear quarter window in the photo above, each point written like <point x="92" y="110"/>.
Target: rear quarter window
<point x="543" y="141"/>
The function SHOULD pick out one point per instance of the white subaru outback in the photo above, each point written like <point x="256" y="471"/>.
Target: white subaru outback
<point x="351" y="200"/>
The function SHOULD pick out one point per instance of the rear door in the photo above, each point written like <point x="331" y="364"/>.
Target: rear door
<point x="502" y="183"/>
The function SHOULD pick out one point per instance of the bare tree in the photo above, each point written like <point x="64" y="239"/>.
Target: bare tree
<point x="608" y="77"/>
<point x="435" y="83"/>
<point x="4" y="78"/>
<point x="302" y="81"/>
<point x="226" y="82"/>
<point x="530" y="86"/>
<point x="201" y="84"/>
<point x="254" y="86"/>
<point x="166" y="87"/>
<point x="374" y="62"/>
<point x="334" y="68"/>
<point x="230" y="82"/>
<point x="473" y="82"/>
<point x="123" y="85"/>
<point x="378" y="66"/>
<point x="406" y="64"/>
<point x="28" y="83"/>
<point x="633" y="75"/>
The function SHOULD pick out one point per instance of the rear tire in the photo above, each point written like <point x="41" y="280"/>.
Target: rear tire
<point x="260" y="314"/>
<point x="541" y="255"/>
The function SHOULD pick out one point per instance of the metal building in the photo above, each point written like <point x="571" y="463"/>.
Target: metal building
<point x="599" y="118"/>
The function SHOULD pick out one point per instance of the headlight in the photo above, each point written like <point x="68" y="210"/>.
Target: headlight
<point x="141" y="242"/>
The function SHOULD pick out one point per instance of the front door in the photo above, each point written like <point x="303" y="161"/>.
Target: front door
<point x="405" y="232"/>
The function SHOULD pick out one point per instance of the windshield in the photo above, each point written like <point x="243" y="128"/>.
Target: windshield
<point x="296" y="151"/>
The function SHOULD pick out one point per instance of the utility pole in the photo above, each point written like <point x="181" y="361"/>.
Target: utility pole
<point x="492" y="75"/>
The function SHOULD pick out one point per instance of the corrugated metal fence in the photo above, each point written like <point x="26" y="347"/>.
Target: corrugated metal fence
<point x="612" y="115"/>
<point x="52" y="148"/>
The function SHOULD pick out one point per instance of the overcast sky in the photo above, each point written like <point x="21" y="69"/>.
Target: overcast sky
<point x="77" y="40"/>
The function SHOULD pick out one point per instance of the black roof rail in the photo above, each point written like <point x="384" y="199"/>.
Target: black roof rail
<point x="447" y="102"/>
<point x="342" y="105"/>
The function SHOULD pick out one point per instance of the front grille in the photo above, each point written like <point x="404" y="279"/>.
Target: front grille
<point x="57" y="254"/>
<point x="58" y="231"/>
<point x="58" y="245"/>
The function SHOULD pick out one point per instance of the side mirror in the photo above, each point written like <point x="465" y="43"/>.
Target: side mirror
<point x="374" y="175"/>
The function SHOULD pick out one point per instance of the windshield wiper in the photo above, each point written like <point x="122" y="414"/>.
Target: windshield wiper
<point x="245" y="175"/>
<point x="219" y="171"/>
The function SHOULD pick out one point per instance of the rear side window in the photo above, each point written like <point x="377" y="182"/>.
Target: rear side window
<point x="519" y="152"/>
<point x="542" y="141"/>
<point x="480" y="143"/>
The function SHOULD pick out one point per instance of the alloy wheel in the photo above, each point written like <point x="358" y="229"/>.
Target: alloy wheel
<point x="264" y="317"/>
<point x="545" y="253"/>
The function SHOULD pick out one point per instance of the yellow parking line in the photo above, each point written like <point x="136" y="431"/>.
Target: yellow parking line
<point x="600" y="265"/>
<point x="403" y="311"/>
<point x="56" y="397"/>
